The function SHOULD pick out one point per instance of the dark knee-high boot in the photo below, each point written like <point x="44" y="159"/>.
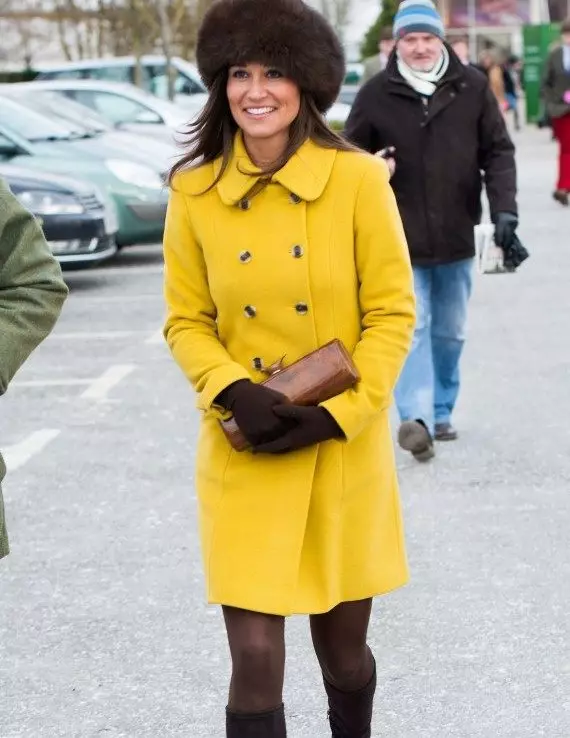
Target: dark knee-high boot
<point x="350" y="713"/>
<point x="270" y="724"/>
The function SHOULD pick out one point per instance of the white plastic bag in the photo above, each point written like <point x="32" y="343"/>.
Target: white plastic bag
<point x="488" y="256"/>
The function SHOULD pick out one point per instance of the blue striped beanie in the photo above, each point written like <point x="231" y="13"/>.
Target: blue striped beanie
<point x="418" y="16"/>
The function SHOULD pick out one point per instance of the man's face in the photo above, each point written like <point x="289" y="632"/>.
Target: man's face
<point x="386" y="46"/>
<point x="420" y="51"/>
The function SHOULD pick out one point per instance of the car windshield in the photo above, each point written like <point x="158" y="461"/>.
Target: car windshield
<point x="31" y="125"/>
<point x="81" y="121"/>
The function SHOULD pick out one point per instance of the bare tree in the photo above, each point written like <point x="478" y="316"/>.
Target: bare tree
<point x="338" y="13"/>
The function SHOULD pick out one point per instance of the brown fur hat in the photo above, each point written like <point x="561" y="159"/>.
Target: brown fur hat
<point x="287" y="34"/>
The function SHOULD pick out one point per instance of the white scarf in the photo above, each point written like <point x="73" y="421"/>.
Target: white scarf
<point x="424" y="83"/>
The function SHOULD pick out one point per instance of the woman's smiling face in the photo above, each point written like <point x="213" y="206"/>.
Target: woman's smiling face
<point x="263" y="102"/>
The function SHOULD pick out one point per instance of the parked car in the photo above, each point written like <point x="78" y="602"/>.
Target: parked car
<point x="123" y="106"/>
<point x="79" y="228"/>
<point x="188" y="86"/>
<point x="134" y="189"/>
<point x="87" y="125"/>
<point x="348" y="94"/>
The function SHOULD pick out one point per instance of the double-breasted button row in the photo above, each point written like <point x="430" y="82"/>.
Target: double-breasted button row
<point x="297" y="252"/>
<point x="301" y="308"/>
<point x="245" y="203"/>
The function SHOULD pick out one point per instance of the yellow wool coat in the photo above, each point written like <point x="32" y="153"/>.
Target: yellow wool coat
<point x="320" y="253"/>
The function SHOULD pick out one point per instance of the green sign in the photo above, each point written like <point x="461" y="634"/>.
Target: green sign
<point x="537" y="42"/>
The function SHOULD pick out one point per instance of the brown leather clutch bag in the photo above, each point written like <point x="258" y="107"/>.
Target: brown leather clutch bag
<point x="317" y="377"/>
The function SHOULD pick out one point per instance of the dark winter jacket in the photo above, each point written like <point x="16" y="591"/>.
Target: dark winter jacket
<point x="555" y="82"/>
<point x="443" y="145"/>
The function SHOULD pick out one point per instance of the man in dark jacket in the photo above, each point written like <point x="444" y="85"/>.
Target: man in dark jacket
<point x="32" y="292"/>
<point x="446" y="127"/>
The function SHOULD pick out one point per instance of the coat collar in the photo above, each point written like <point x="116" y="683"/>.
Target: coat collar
<point x="306" y="174"/>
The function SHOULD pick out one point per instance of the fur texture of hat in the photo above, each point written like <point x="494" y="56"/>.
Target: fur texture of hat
<point x="286" y="34"/>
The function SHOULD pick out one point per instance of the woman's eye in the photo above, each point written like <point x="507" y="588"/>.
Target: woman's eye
<point x="274" y="74"/>
<point x="239" y="74"/>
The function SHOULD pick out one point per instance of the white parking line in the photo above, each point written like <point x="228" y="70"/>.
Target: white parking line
<point x="99" y="388"/>
<point x="33" y="383"/>
<point x="20" y="453"/>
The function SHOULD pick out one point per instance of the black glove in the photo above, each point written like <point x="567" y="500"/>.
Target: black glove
<point x="252" y="407"/>
<point x="312" y="425"/>
<point x="505" y="227"/>
<point x="515" y="255"/>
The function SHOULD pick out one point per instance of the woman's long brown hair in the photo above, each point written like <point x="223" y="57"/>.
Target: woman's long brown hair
<point x="212" y="134"/>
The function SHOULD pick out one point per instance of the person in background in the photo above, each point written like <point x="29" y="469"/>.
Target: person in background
<point x="511" y="85"/>
<point x="445" y="126"/>
<point x="460" y="45"/>
<point x="377" y="63"/>
<point x="490" y="65"/>
<point x="556" y="97"/>
<point x="32" y="293"/>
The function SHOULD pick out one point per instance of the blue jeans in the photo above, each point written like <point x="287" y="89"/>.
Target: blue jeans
<point x="429" y="384"/>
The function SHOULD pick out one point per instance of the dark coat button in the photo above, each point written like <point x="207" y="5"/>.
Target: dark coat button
<point x="257" y="364"/>
<point x="244" y="204"/>
<point x="302" y="308"/>
<point x="297" y="251"/>
<point x="295" y="199"/>
<point x="250" y="311"/>
<point x="245" y="257"/>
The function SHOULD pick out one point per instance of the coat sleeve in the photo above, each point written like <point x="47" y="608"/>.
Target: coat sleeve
<point x="497" y="157"/>
<point x="32" y="291"/>
<point x="359" y="129"/>
<point x="191" y="328"/>
<point x="387" y="304"/>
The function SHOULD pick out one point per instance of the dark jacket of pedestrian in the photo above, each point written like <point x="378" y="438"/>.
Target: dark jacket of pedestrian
<point x="32" y="292"/>
<point x="446" y="148"/>
<point x="556" y="85"/>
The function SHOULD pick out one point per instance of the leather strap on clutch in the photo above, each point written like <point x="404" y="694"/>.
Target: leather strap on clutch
<point x="325" y="373"/>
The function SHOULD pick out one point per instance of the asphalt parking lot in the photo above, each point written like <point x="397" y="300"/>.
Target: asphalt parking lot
<point x="103" y="626"/>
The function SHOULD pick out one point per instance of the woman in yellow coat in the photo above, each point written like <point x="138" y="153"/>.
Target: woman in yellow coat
<point x="279" y="238"/>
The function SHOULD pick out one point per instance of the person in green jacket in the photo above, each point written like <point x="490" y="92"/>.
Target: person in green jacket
<point x="32" y="293"/>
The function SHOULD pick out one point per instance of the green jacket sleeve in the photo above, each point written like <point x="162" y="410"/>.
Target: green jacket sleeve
<point x="32" y="290"/>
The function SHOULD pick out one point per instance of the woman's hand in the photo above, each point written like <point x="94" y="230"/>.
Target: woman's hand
<point x="311" y="425"/>
<point x="252" y="407"/>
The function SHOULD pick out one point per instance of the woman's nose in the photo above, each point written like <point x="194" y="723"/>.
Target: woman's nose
<point x="257" y="89"/>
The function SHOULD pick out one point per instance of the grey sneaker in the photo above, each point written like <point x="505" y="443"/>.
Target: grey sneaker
<point x="414" y="437"/>
<point x="445" y="432"/>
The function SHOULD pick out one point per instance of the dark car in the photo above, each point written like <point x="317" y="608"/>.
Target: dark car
<point x="76" y="223"/>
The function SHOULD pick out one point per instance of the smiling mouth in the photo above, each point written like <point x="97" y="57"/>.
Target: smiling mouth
<point x="260" y="112"/>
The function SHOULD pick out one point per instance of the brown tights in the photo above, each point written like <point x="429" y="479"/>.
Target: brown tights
<point x="257" y="647"/>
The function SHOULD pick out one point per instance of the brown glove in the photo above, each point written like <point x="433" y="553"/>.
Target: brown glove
<point x="252" y="407"/>
<point x="312" y="425"/>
